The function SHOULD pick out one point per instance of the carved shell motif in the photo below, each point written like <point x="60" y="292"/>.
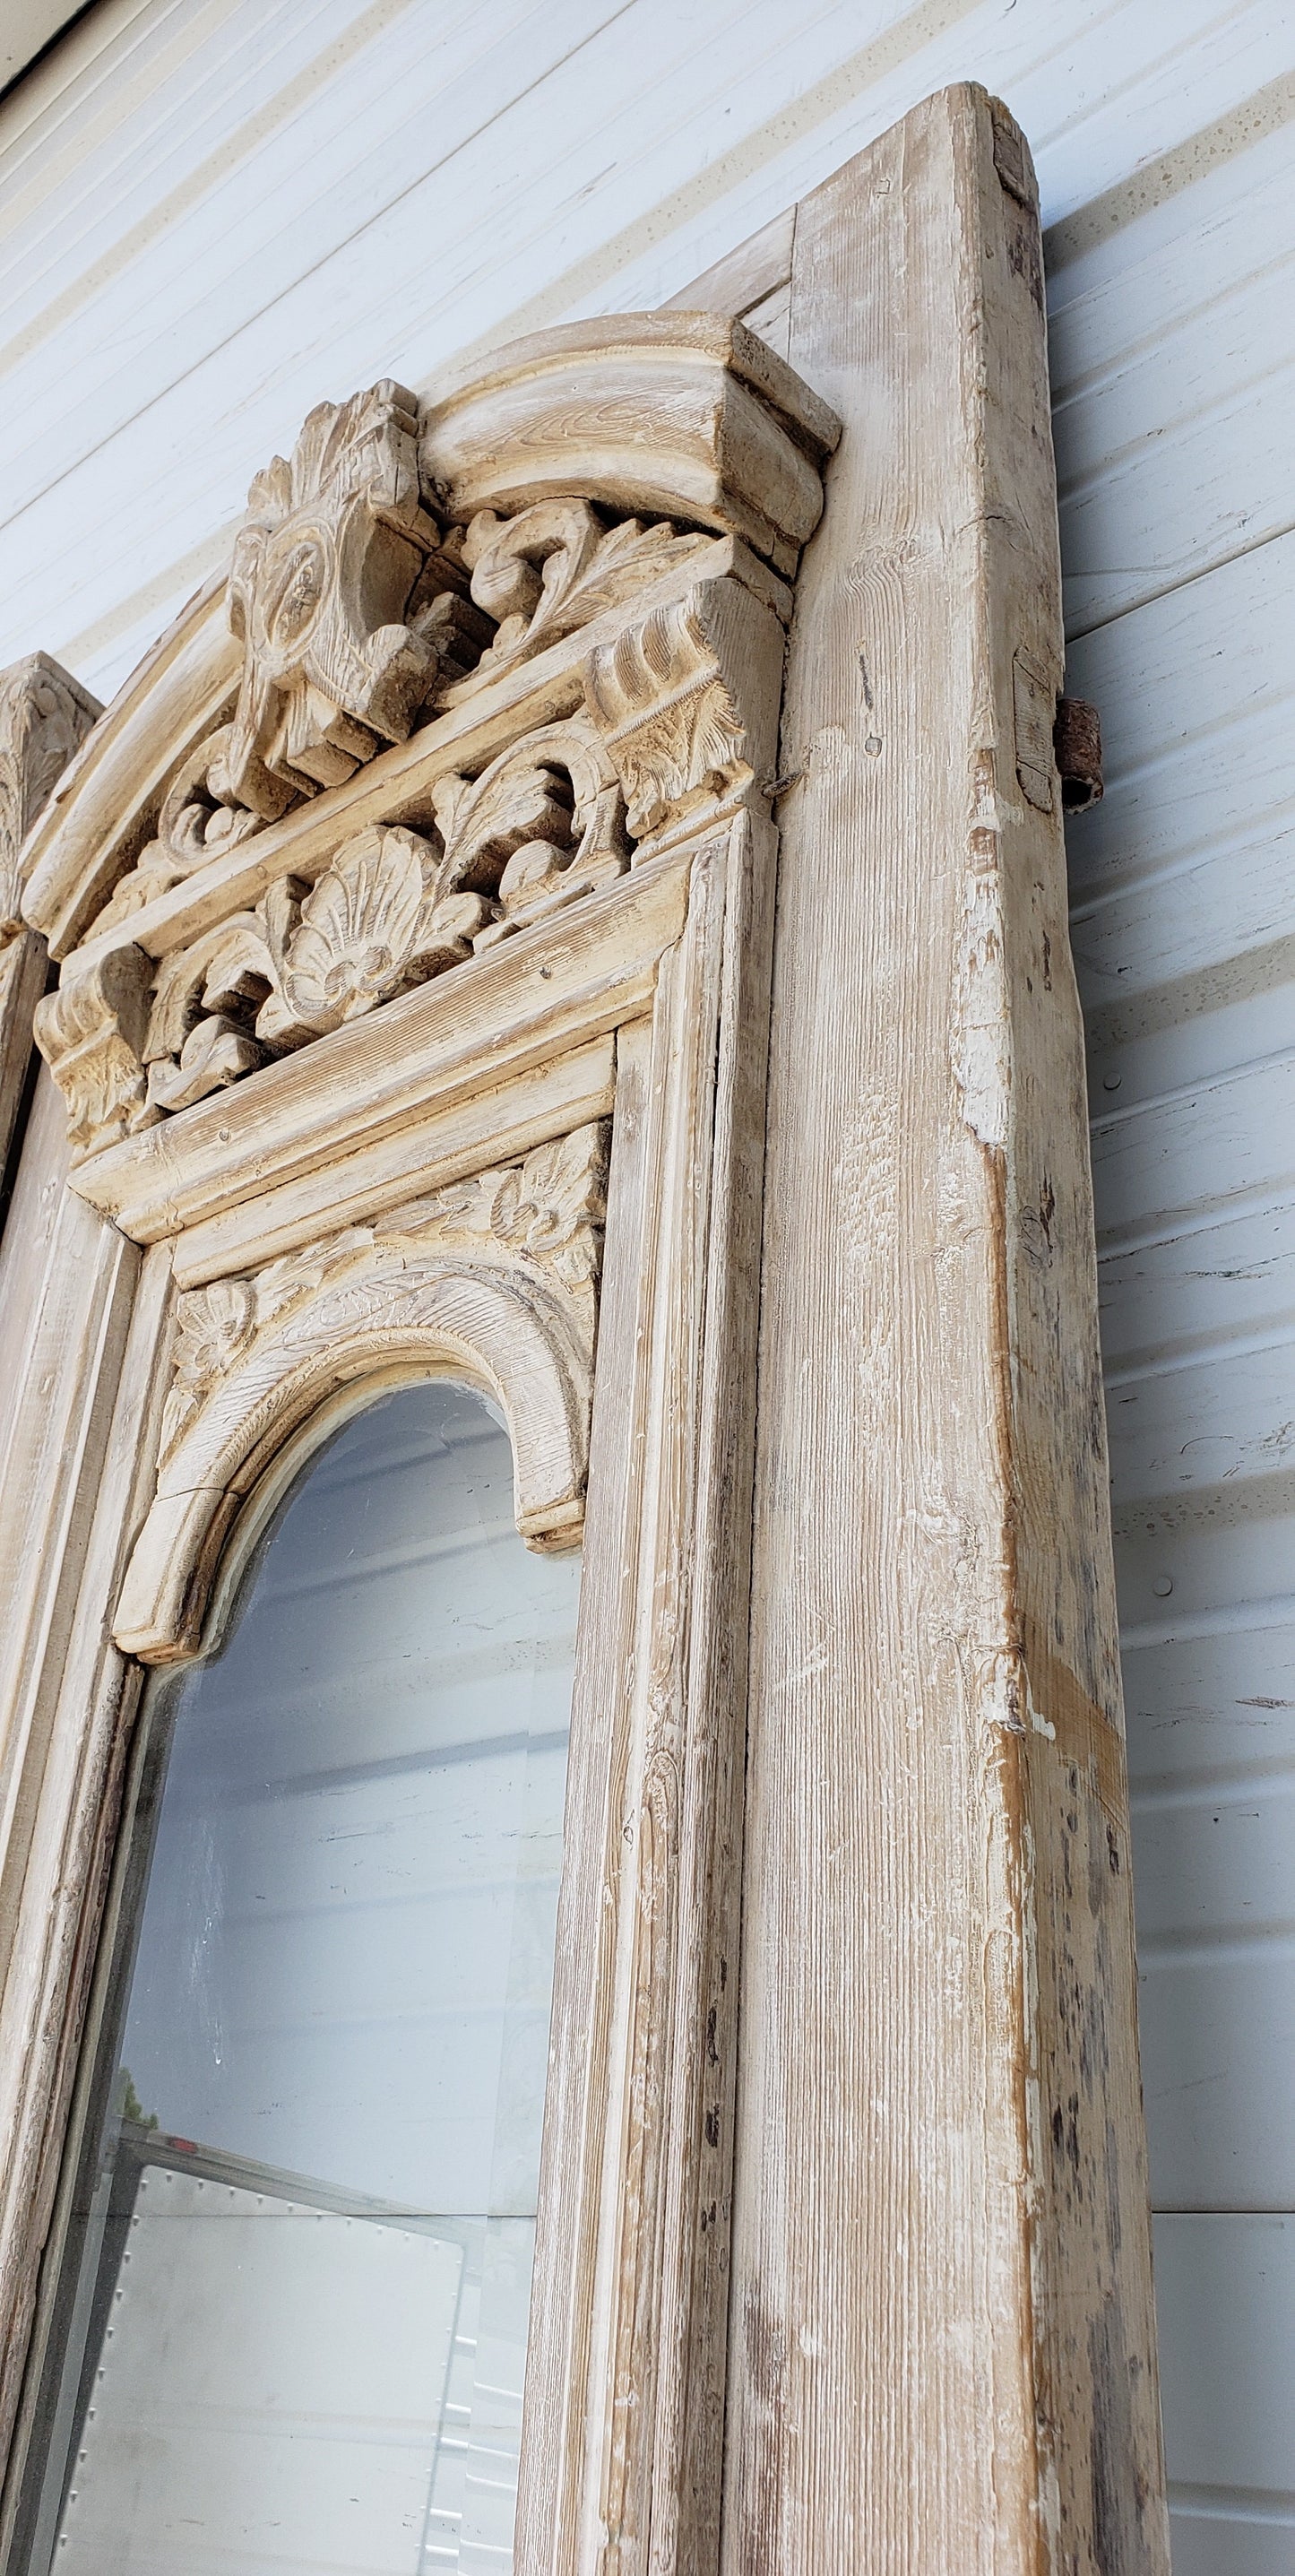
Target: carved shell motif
<point x="372" y="927"/>
<point x="359" y="927"/>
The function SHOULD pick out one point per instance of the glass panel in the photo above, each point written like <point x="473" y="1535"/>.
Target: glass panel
<point x="307" y="2216"/>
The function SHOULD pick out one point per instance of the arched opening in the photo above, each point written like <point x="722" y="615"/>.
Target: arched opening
<point x="294" y="2304"/>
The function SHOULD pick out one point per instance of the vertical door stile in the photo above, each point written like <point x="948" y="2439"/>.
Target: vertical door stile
<point x="943" y="2337"/>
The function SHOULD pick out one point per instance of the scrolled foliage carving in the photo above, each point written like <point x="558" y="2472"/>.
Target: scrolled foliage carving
<point x="494" y="1277"/>
<point x="549" y="570"/>
<point x="367" y="614"/>
<point x="541" y="826"/>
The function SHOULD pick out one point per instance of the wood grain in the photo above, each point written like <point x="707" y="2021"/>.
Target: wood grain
<point x="944" y="2347"/>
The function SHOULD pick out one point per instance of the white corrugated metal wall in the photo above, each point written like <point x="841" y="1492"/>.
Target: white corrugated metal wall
<point x="217" y="211"/>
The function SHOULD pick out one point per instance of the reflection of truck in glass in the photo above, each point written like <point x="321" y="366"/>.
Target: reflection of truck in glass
<point x="280" y="2375"/>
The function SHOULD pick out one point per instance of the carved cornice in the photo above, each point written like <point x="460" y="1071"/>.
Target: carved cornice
<point x="681" y="415"/>
<point x="496" y="1277"/>
<point x="370" y="604"/>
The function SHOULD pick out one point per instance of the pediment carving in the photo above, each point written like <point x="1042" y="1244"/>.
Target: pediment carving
<point x="343" y="600"/>
<point x="480" y="668"/>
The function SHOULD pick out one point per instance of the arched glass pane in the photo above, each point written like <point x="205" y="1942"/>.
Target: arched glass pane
<point x="300" y="2323"/>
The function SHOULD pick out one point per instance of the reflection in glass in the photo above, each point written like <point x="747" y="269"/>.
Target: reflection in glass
<point x="297" y="2336"/>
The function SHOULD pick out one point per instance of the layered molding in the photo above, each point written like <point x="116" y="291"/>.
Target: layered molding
<point x="105" y="809"/>
<point x="377" y="910"/>
<point x="448" y="722"/>
<point x="685" y="413"/>
<point x="44" y="716"/>
<point x="418" y="1078"/>
<point x="408" y="559"/>
<point x="493" y="1280"/>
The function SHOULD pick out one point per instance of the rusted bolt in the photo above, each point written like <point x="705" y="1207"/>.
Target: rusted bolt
<point x="1077" y="745"/>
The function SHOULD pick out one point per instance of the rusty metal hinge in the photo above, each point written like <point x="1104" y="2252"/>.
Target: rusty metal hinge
<point x="1077" y="746"/>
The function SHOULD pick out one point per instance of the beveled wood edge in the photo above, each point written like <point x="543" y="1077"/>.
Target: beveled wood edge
<point x="743" y="278"/>
<point x="447" y="1144"/>
<point x="170" y="700"/>
<point x="571" y="978"/>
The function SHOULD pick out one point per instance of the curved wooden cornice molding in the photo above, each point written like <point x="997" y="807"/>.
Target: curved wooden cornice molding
<point x="493" y="1281"/>
<point x="683" y="416"/>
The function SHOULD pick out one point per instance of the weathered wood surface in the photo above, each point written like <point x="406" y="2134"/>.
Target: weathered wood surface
<point x="586" y="901"/>
<point x="44" y="715"/>
<point x="89" y="1692"/>
<point x="939" y="2288"/>
<point x="67" y="1284"/>
<point x="623" y="2441"/>
<point x="944" y="2347"/>
<point x="23" y="967"/>
<point x="155" y="376"/>
<point x="481" y="682"/>
<point x="551" y="989"/>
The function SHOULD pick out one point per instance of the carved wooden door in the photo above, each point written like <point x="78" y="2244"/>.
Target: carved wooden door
<point x="579" y="913"/>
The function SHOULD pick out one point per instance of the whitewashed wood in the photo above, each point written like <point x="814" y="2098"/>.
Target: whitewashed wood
<point x="44" y="714"/>
<point x="622" y="2447"/>
<point x="23" y="966"/>
<point x="175" y="127"/>
<point x="65" y="1283"/>
<point x="551" y="988"/>
<point x="494" y="1278"/>
<point x="419" y="1290"/>
<point x="72" y="855"/>
<point x="52" y="1953"/>
<point x="933" y="1662"/>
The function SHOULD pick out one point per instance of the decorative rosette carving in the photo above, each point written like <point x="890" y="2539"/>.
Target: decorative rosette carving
<point x="345" y="601"/>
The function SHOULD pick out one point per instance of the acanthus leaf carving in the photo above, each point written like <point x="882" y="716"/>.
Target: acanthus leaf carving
<point x="665" y="704"/>
<point x="45" y="716"/>
<point x="541" y="826"/>
<point x="550" y="1207"/>
<point x="546" y="1213"/>
<point x="551" y="569"/>
<point x="335" y="591"/>
<point x="194" y="826"/>
<point x="91" y="1034"/>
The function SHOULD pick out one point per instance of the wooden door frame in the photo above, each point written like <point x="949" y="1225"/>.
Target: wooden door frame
<point x="843" y="2247"/>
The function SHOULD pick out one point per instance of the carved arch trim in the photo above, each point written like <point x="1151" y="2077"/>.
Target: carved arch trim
<point x="258" y="1356"/>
